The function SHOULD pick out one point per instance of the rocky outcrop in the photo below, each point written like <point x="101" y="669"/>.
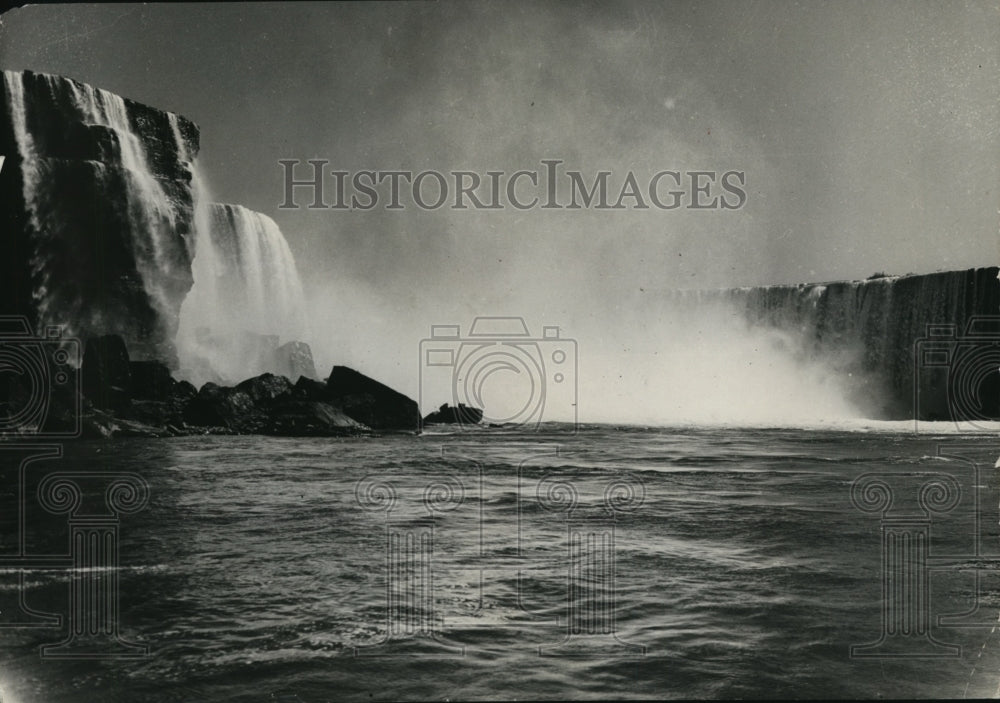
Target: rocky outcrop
<point x="347" y="403"/>
<point x="265" y="388"/>
<point x="219" y="406"/>
<point x="449" y="415"/>
<point x="125" y="398"/>
<point x="98" y="212"/>
<point x="151" y="380"/>
<point x="106" y="373"/>
<point x="304" y="418"/>
<point x="370" y="402"/>
<point x="309" y="389"/>
<point x="270" y="404"/>
<point x="165" y="411"/>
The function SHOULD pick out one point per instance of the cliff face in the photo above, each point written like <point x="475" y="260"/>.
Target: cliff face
<point x="98" y="211"/>
<point x="878" y="332"/>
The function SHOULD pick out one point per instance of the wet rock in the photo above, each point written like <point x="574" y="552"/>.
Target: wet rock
<point x="369" y="402"/>
<point x="265" y="388"/>
<point x="151" y="380"/>
<point x="449" y="415"/>
<point x="305" y="418"/>
<point x="219" y="406"/>
<point x="183" y="391"/>
<point x="106" y="373"/>
<point x="133" y="428"/>
<point x="96" y="424"/>
<point x="309" y="389"/>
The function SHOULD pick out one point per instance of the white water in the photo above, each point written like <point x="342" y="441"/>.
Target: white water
<point x="152" y="213"/>
<point x="703" y="363"/>
<point x="14" y="85"/>
<point x="245" y="278"/>
<point x="245" y="281"/>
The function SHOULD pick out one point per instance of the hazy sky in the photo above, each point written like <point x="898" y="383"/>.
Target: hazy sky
<point x="868" y="133"/>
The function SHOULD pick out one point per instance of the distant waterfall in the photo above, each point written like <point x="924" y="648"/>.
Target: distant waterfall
<point x="259" y="276"/>
<point x="247" y="295"/>
<point x="866" y="332"/>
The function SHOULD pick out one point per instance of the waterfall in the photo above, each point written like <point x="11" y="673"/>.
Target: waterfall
<point x="18" y="102"/>
<point x="867" y="334"/>
<point x="247" y="296"/>
<point x="114" y="232"/>
<point x="106" y="209"/>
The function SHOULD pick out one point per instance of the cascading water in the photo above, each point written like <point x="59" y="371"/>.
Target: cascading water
<point x="151" y="211"/>
<point x="258" y="256"/>
<point x="107" y="210"/>
<point x="865" y="334"/>
<point x="247" y="295"/>
<point x="111" y="224"/>
<point x="14" y="86"/>
<point x="114" y="233"/>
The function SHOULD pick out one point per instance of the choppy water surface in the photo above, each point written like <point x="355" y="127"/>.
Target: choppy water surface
<point x="506" y="564"/>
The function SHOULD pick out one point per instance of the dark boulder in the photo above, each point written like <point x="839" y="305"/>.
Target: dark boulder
<point x="270" y="404"/>
<point x="265" y="388"/>
<point x="309" y="389"/>
<point x="151" y="380"/>
<point x="307" y="418"/>
<point x="183" y="391"/>
<point x="448" y="415"/>
<point x="218" y="406"/>
<point x="370" y="402"/>
<point x="106" y="373"/>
